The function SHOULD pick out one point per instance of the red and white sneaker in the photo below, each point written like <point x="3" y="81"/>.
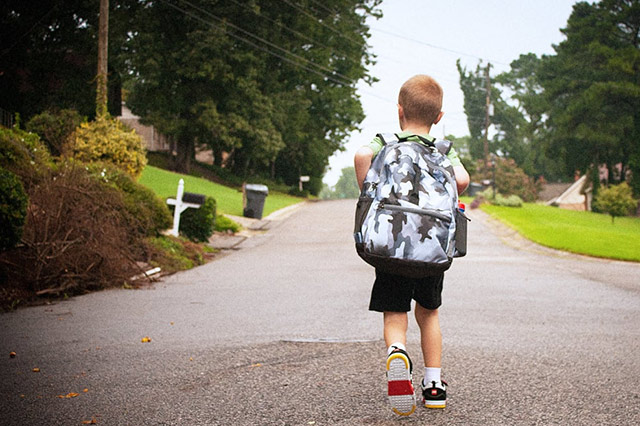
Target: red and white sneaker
<point x="400" y="388"/>
<point x="434" y="396"/>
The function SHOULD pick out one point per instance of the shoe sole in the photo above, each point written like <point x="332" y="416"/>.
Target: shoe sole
<point x="435" y="404"/>
<point x="400" y="390"/>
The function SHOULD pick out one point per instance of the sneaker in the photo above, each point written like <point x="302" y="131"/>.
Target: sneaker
<point x="434" y="396"/>
<point x="399" y="386"/>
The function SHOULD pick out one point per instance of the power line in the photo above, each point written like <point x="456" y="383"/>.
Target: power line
<point x="297" y="7"/>
<point x="348" y="80"/>
<point x="287" y="28"/>
<point x="433" y="46"/>
<point x="257" y="46"/>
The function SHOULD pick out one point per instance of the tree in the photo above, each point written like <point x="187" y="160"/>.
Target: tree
<point x="616" y="200"/>
<point x="593" y="87"/>
<point x="48" y="58"/>
<point x="347" y="185"/>
<point x="271" y="84"/>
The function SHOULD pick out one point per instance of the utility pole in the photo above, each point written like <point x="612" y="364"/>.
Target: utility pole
<point x="103" y="48"/>
<point x="487" y="114"/>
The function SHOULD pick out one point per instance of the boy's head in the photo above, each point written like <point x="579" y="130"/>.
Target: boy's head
<point x="420" y="101"/>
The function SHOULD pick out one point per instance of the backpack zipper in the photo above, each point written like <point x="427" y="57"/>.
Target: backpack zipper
<point x="407" y="209"/>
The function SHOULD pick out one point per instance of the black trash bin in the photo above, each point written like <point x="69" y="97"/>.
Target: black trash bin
<point x="254" y="196"/>
<point x="474" y="188"/>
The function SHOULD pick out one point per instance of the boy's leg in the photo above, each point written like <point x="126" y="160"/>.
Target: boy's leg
<point x="395" y="328"/>
<point x="400" y="390"/>
<point x="434" y="393"/>
<point x="430" y="336"/>
<point x="391" y="294"/>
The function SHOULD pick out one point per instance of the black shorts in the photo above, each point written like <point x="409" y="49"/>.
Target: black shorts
<point x="393" y="293"/>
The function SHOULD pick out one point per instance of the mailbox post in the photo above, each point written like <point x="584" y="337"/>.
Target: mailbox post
<point x="183" y="201"/>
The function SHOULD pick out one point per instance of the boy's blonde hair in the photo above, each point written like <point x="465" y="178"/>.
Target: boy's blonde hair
<point x="421" y="99"/>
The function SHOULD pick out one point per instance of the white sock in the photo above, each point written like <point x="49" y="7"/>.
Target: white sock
<point x="394" y="346"/>
<point x="431" y="374"/>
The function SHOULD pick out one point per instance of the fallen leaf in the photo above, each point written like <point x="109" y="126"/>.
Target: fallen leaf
<point x="85" y="390"/>
<point x="89" y="422"/>
<point x="12" y="354"/>
<point x="171" y="322"/>
<point x="146" y="339"/>
<point x="190" y="358"/>
<point x="255" y="365"/>
<point x="36" y="370"/>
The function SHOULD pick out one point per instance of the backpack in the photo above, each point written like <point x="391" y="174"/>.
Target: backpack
<point x="407" y="211"/>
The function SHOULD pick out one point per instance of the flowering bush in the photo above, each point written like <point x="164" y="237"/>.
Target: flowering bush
<point x="106" y="139"/>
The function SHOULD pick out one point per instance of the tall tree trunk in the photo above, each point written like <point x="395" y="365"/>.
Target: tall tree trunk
<point x="103" y="48"/>
<point x="185" y="151"/>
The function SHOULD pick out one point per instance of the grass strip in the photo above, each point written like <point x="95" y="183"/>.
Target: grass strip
<point x="580" y="232"/>
<point x="229" y="200"/>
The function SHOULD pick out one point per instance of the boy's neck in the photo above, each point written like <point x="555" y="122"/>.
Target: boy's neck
<point x="416" y="129"/>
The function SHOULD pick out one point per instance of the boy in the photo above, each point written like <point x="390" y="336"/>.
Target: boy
<point x="419" y="107"/>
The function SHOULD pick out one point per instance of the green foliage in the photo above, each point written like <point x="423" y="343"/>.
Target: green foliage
<point x="198" y="224"/>
<point x="346" y="187"/>
<point x="145" y="211"/>
<point x="55" y="128"/>
<point x="273" y="117"/>
<point x="579" y="232"/>
<point x="24" y="154"/>
<point x="106" y="139"/>
<point x="51" y="54"/>
<point x="224" y="224"/>
<point x="509" y="178"/>
<point x="13" y="209"/>
<point x="173" y="254"/>
<point x="592" y="86"/>
<point x="616" y="200"/>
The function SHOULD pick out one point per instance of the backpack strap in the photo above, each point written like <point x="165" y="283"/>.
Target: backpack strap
<point x="388" y="138"/>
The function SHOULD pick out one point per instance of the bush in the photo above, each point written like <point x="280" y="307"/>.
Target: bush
<point x="74" y="238"/>
<point x="107" y="140"/>
<point x="198" y="224"/>
<point x="173" y="254"/>
<point x="616" y="200"/>
<point x="224" y="224"/>
<point x="23" y="154"/>
<point x="13" y="209"/>
<point x="146" y="212"/>
<point x="510" y="201"/>
<point x="55" y="128"/>
<point x="509" y="178"/>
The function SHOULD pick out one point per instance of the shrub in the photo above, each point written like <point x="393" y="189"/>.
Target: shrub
<point x="106" y="139"/>
<point x="145" y="211"/>
<point x="509" y="178"/>
<point x="13" y="209"/>
<point x="173" y="254"/>
<point x="74" y="238"/>
<point x="224" y="224"/>
<point x="198" y="224"/>
<point x="616" y="200"/>
<point x="55" y="128"/>
<point x="23" y="154"/>
<point x="510" y="201"/>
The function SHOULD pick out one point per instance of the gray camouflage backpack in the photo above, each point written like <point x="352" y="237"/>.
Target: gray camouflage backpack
<point x="408" y="208"/>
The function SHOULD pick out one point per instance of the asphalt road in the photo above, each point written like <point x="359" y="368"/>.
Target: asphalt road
<point x="278" y="333"/>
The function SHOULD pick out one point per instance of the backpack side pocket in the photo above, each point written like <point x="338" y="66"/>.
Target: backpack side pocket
<point x="461" y="234"/>
<point x="362" y="208"/>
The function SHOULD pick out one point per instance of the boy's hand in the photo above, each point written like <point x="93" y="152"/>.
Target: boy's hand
<point x="362" y="162"/>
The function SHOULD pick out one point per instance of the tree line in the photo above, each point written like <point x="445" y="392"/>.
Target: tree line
<point x="573" y="111"/>
<point x="269" y="86"/>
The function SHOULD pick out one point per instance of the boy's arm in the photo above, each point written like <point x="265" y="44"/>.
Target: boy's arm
<point x="362" y="162"/>
<point x="462" y="178"/>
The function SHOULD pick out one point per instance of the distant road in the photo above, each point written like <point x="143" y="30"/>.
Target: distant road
<point x="278" y="333"/>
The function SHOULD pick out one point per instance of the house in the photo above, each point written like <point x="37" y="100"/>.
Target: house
<point x="154" y="140"/>
<point x="576" y="197"/>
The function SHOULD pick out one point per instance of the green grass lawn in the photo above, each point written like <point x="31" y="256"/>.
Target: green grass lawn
<point x="587" y="233"/>
<point x="229" y="200"/>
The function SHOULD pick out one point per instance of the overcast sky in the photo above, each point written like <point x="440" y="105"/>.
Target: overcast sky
<point x="427" y="37"/>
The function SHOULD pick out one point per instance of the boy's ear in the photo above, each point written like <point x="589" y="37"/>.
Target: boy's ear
<point x="438" y="118"/>
<point x="401" y="116"/>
